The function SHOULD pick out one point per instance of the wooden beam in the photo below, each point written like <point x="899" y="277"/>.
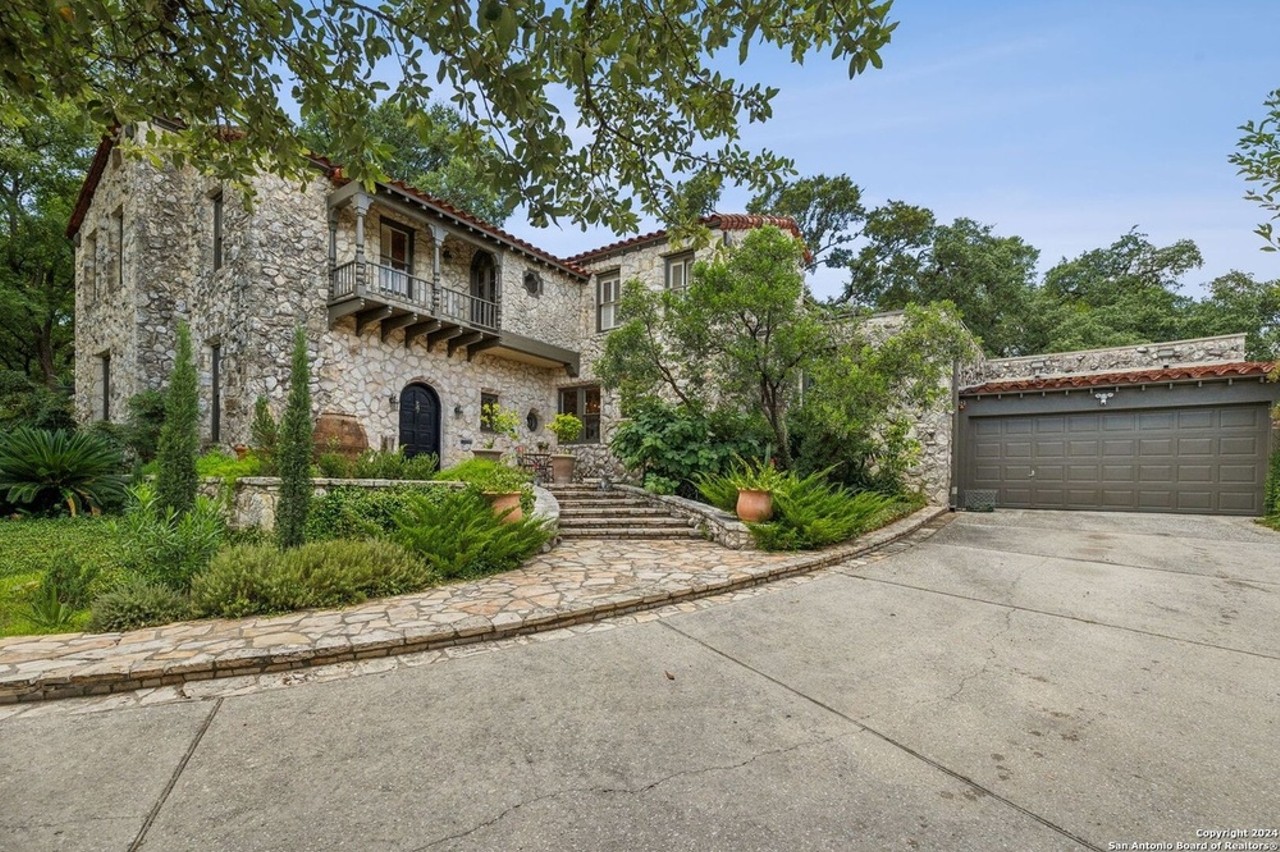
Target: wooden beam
<point x="489" y="341"/>
<point x="392" y="323"/>
<point x="447" y="333"/>
<point x="419" y="329"/>
<point x="366" y="318"/>
<point x="465" y="340"/>
<point x="342" y="309"/>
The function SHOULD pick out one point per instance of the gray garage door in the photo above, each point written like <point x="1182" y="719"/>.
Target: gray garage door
<point x="1207" y="460"/>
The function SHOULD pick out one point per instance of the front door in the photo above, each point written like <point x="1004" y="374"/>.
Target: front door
<point x="419" y="421"/>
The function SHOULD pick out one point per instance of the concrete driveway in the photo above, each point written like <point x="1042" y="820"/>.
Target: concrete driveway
<point x="1020" y="680"/>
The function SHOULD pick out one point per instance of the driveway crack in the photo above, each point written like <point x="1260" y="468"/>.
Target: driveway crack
<point x="992" y="653"/>
<point x="633" y="791"/>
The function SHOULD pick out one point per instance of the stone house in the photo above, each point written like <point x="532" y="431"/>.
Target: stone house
<point x="417" y="313"/>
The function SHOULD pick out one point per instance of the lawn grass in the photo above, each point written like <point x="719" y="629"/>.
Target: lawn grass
<point x="27" y="546"/>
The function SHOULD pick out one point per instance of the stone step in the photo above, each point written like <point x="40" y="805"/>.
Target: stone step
<point x="630" y="532"/>
<point x="661" y="521"/>
<point x="595" y="511"/>
<point x="578" y="503"/>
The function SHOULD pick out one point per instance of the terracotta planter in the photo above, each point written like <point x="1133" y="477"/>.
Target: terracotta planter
<point x="754" y="506"/>
<point x="501" y="502"/>
<point x="562" y="467"/>
<point x="241" y="451"/>
<point x="488" y="455"/>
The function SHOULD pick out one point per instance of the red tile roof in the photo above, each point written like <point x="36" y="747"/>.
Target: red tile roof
<point x="572" y="265"/>
<point x="1227" y="370"/>
<point x="724" y="221"/>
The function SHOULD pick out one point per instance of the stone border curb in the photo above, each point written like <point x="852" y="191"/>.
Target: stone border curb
<point x="78" y="678"/>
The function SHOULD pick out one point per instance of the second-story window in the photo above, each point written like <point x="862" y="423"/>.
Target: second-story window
<point x="89" y="261"/>
<point x="679" y="268"/>
<point x="484" y="291"/>
<point x="396" y="254"/>
<point x="117" y="239"/>
<point x="608" y="294"/>
<point x="216" y="202"/>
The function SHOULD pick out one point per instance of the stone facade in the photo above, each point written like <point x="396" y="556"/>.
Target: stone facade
<point x="274" y="276"/>
<point x="1141" y="356"/>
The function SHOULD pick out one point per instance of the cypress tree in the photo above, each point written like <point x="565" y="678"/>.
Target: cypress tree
<point x="179" y="443"/>
<point x="293" y="452"/>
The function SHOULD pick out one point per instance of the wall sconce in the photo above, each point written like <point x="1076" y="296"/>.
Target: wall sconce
<point x="1103" y="396"/>
<point x="394" y="400"/>
<point x="446" y="255"/>
<point x="457" y="411"/>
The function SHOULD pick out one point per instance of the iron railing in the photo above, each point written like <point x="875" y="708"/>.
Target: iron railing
<point x="386" y="283"/>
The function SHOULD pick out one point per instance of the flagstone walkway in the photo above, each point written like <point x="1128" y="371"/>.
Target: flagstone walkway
<point x="578" y="581"/>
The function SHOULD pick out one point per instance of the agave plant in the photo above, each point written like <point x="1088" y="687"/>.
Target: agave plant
<point x="77" y="469"/>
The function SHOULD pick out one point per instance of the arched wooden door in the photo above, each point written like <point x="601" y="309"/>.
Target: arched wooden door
<point x="419" y="420"/>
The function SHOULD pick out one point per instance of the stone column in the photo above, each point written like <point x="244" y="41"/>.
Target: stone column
<point x="438" y="233"/>
<point x="361" y="203"/>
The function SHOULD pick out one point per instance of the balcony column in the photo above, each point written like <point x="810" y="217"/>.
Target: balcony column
<point x="497" y="288"/>
<point x="438" y="234"/>
<point x="361" y="204"/>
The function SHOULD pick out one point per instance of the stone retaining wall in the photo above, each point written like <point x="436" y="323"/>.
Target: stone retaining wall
<point x="253" y="499"/>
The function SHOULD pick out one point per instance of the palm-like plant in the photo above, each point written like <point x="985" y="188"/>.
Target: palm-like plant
<point x="78" y="469"/>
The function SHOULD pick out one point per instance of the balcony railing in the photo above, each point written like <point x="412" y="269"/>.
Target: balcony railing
<point x="397" y="289"/>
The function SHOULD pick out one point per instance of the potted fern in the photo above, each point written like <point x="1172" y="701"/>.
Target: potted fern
<point x="756" y="482"/>
<point x="496" y="422"/>
<point x="567" y="428"/>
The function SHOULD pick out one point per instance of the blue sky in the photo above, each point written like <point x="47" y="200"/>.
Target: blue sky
<point x="1065" y="123"/>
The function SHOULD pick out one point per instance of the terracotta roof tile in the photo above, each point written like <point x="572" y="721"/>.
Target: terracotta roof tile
<point x="1228" y="370"/>
<point x="724" y="221"/>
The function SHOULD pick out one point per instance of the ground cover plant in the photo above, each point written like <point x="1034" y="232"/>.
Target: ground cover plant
<point x="34" y="549"/>
<point x="809" y="511"/>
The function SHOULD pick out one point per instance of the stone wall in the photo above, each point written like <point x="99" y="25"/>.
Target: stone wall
<point x="1141" y="356"/>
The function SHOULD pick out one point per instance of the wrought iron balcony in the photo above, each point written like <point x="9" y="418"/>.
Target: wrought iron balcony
<point x="393" y="299"/>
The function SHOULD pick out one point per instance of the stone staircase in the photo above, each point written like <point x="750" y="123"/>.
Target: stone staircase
<point x="588" y="512"/>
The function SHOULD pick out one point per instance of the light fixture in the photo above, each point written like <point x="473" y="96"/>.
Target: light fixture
<point x="394" y="400"/>
<point x="457" y="411"/>
<point x="1102" y="397"/>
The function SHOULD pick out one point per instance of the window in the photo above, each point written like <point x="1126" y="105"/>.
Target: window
<point x="585" y="403"/>
<point x="484" y="291"/>
<point x="217" y="231"/>
<point x="117" y="237"/>
<point x="215" y="409"/>
<point x="532" y="282"/>
<point x="396" y="254"/>
<point x="105" y="358"/>
<point x="486" y="413"/>
<point x="608" y="294"/>
<point x="678" y="269"/>
<point x="89" y="261"/>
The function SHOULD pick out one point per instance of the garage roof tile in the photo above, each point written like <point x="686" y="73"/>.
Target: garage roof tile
<point x="1227" y="370"/>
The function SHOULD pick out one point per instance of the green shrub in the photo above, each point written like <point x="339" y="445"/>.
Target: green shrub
<point x="680" y="445"/>
<point x="334" y="466"/>
<point x="138" y="602"/>
<point x="489" y="477"/>
<point x="227" y="467"/>
<point x="70" y="579"/>
<point x="257" y="579"/>
<point x="164" y="547"/>
<point x="566" y="427"/>
<point x="1271" y="500"/>
<point x="48" y="612"/>
<point x="812" y="512"/>
<point x="24" y="402"/>
<point x="176" y="480"/>
<point x="145" y="421"/>
<point x="294" y="452"/>
<point x="355" y="512"/>
<point x="41" y="470"/>
<point x="265" y="434"/>
<point x="459" y="536"/>
<point x="373" y="464"/>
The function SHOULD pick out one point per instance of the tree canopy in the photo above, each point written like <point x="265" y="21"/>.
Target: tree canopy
<point x="595" y="106"/>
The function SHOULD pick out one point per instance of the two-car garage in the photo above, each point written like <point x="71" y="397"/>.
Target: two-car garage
<point x="1182" y="440"/>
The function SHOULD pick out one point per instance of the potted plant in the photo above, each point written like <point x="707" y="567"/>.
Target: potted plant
<point x="567" y="428"/>
<point x="496" y="422"/>
<point x="502" y="487"/>
<point x="756" y="482"/>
